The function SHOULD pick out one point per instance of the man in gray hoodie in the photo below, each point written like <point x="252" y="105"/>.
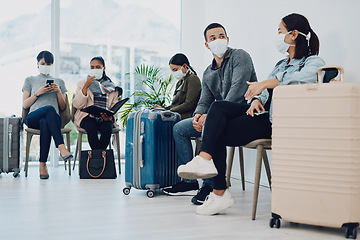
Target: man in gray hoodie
<point x="224" y="79"/>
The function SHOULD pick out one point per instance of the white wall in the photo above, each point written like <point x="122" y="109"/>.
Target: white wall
<point x="252" y="26"/>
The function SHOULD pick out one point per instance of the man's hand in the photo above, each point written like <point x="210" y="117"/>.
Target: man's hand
<point x="255" y="105"/>
<point x="254" y="89"/>
<point x="202" y="120"/>
<point x="195" y="122"/>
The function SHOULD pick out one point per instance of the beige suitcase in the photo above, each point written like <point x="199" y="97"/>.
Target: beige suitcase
<point x="316" y="155"/>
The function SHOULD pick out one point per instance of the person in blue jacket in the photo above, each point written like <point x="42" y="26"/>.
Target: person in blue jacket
<point x="235" y="124"/>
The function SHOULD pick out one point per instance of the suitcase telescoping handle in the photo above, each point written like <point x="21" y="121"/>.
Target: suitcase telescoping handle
<point x="321" y="69"/>
<point x="141" y="159"/>
<point x="10" y="138"/>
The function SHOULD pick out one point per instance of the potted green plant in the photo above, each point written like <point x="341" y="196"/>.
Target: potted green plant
<point x="152" y="88"/>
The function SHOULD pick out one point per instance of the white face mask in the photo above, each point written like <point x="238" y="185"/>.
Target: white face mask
<point x="98" y="73"/>
<point x="281" y="45"/>
<point x="178" y="74"/>
<point x="218" y="47"/>
<point x="45" y="69"/>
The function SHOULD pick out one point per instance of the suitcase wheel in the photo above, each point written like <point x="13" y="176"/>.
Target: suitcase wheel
<point x="126" y="191"/>
<point x="275" y="222"/>
<point x="351" y="232"/>
<point x="15" y="174"/>
<point x="150" y="193"/>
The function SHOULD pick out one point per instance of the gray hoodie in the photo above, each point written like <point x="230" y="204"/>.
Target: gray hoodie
<point x="228" y="82"/>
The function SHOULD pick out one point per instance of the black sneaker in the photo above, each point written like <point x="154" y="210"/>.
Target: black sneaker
<point x="202" y="194"/>
<point x="182" y="188"/>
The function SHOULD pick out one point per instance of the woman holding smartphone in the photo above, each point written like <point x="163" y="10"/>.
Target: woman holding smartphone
<point x="44" y="96"/>
<point x="97" y="89"/>
<point x="236" y="124"/>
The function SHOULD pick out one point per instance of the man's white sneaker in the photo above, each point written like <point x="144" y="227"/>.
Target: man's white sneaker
<point x="198" y="167"/>
<point x="215" y="204"/>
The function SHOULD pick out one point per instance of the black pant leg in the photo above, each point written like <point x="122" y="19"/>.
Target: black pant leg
<point x="91" y="127"/>
<point x="105" y="129"/>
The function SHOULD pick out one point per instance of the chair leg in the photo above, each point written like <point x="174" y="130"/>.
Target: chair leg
<point x="229" y="165"/>
<point x="267" y="167"/>
<point x="69" y="149"/>
<point x="28" y="142"/>
<point x="242" y="171"/>
<point x="197" y="146"/>
<point x="78" y="149"/>
<point x="117" y="140"/>
<point x="76" y="152"/>
<point x="257" y="179"/>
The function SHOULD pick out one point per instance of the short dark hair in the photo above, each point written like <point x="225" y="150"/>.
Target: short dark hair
<point x="304" y="48"/>
<point x="47" y="56"/>
<point x="99" y="58"/>
<point x="211" y="26"/>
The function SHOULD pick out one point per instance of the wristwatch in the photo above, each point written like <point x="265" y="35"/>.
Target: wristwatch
<point x="36" y="95"/>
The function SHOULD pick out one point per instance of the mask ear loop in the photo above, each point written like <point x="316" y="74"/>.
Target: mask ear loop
<point x="307" y="37"/>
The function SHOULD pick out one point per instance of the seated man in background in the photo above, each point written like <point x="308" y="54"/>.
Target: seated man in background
<point x="224" y="79"/>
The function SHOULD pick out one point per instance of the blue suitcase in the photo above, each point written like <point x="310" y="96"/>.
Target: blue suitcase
<point x="150" y="159"/>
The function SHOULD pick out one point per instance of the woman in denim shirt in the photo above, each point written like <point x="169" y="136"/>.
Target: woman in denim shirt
<point x="236" y="124"/>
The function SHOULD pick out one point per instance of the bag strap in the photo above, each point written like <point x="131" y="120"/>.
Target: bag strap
<point x="88" y="160"/>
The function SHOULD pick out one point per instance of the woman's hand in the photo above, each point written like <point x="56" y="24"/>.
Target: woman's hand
<point x="87" y="84"/>
<point x="255" y="105"/>
<point x="44" y="89"/>
<point x="105" y="117"/>
<point x="158" y="106"/>
<point x="55" y="88"/>
<point x="254" y="89"/>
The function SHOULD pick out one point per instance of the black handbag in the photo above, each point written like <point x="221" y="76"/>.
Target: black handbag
<point x="97" y="164"/>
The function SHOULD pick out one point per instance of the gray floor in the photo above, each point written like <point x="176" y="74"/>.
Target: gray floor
<point x="65" y="207"/>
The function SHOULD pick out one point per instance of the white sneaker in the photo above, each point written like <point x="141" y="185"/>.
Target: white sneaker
<point x="215" y="204"/>
<point x="198" y="167"/>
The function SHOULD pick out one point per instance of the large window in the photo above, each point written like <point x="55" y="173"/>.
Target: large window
<point x="24" y="32"/>
<point x="126" y="33"/>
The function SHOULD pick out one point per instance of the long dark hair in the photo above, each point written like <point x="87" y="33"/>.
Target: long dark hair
<point x="304" y="48"/>
<point x="101" y="59"/>
<point x="180" y="59"/>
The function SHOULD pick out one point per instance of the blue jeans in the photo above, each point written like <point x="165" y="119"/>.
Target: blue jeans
<point x="48" y="122"/>
<point x="183" y="131"/>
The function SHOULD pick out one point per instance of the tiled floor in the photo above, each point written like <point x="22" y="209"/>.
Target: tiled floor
<point x="65" y="207"/>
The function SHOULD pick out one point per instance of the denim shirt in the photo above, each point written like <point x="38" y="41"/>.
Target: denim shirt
<point x="298" y="71"/>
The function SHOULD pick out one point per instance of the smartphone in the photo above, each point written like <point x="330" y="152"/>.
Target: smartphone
<point x="259" y="113"/>
<point x="49" y="81"/>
